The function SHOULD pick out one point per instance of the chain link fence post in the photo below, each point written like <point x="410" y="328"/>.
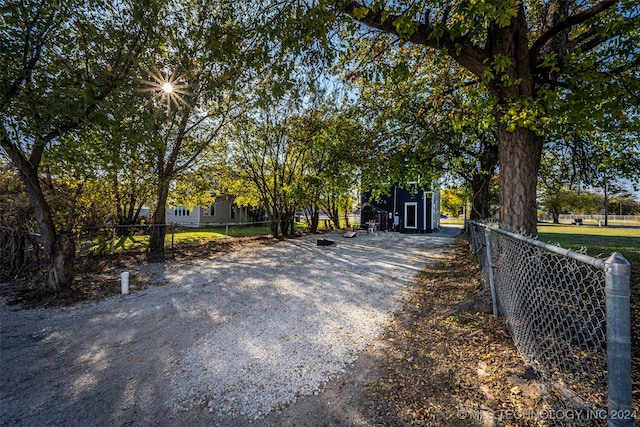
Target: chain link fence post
<point x="113" y="240"/>
<point x="569" y="314"/>
<point x="494" y="300"/>
<point x="618" y="295"/>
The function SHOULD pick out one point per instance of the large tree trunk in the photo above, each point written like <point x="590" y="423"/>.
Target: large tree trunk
<point x="520" y="152"/>
<point x="313" y="220"/>
<point x="284" y="227"/>
<point x="60" y="271"/>
<point x="58" y="249"/>
<point x="158" y="229"/>
<point x="274" y="228"/>
<point x="274" y="222"/>
<point x="481" y="182"/>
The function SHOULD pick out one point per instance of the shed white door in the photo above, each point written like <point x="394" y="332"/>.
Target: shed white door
<point x="411" y="215"/>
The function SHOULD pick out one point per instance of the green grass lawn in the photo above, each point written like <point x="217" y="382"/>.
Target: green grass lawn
<point x="597" y="240"/>
<point x="451" y="220"/>
<point x="194" y="236"/>
<point x="180" y="237"/>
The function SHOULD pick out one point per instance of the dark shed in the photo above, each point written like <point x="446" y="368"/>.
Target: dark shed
<point x="415" y="211"/>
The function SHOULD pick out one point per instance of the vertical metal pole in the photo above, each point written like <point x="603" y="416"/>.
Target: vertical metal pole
<point x="494" y="301"/>
<point x="173" y="230"/>
<point x="618" y="298"/>
<point x="113" y="240"/>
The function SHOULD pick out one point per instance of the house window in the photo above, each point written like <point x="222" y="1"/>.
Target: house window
<point x="411" y="215"/>
<point x="233" y="211"/>
<point x="213" y="209"/>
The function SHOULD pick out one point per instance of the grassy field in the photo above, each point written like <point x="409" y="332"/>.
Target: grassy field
<point x="597" y="240"/>
<point x="180" y="237"/>
<point x="187" y="236"/>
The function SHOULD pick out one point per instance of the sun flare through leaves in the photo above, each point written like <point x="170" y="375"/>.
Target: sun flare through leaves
<point x="168" y="87"/>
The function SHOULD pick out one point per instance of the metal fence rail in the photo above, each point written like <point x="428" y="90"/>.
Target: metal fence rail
<point x="569" y="316"/>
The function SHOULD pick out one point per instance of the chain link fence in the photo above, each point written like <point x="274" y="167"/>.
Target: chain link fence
<point x="110" y="239"/>
<point x="569" y="316"/>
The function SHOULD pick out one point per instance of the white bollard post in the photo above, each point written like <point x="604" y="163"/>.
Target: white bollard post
<point x="124" y="282"/>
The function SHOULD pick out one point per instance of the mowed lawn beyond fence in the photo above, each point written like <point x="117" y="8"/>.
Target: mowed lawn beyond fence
<point x="596" y="240"/>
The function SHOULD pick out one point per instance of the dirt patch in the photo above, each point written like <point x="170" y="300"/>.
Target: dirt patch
<point x="453" y="363"/>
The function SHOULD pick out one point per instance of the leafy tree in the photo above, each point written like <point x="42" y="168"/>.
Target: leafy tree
<point x="215" y="52"/>
<point x="267" y="160"/>
<point x="624" y="204"/>
<point x="606" y="160"/>
<point x="100" y="174"/>
<point x="124" y="161"/>
<point x="522" y="54"/>
<point x="16" y="223"/>
<point x="556" y="180"/>
<point x="220" y="58"/>
<point x="60" y="65"/>
<point x="426" y="121"/>
<point x="292" y="157"/>
<point x="592" y="153"/>
<point x="451" y="200"/>
<point x="584" y="203"/>
<point x="329" y="170"/>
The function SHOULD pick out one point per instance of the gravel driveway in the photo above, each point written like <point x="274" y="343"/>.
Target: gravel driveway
<point x="225" y="341"/>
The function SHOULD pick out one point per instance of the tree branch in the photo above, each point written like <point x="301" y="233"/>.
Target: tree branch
<point x="460" y="48"/>
<point x="570" y="22"/>
<point x="621" y="69"/>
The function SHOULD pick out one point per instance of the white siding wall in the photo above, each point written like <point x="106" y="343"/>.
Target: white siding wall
<point x="201" y="217"/>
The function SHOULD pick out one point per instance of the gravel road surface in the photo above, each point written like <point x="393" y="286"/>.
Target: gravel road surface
<point x="223" y="342"/>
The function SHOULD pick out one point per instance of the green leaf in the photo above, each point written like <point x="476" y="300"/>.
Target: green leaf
<point x="359" y="12"/>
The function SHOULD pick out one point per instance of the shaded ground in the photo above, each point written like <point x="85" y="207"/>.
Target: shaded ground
<point x="98" y="276"/>
<point x="443" y="360"/>
<point x="284" y="318"/>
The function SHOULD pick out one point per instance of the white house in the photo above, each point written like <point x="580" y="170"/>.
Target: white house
<point x="222" y="211"/>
